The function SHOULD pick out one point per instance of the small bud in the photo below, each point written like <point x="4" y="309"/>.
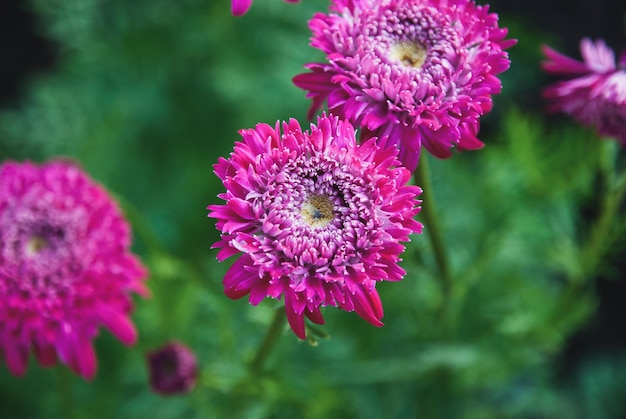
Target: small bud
<point x="173" y="369"/>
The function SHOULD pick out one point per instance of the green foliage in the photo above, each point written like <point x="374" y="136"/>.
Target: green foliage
<point x="148" y="94"/>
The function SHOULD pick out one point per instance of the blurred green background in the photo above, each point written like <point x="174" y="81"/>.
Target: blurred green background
<point x="147" y="95"/>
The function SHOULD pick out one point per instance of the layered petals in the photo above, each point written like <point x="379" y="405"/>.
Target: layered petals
<point x="593" y="91"/>
<point x="419" y="71"/>
<point x="316" y="219"/>
<point x="65" y="267"/>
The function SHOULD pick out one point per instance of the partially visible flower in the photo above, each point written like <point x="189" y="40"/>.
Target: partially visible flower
<point x="594" y="90"/>
<point x="65" y="267"/>
<point x="420" y="72"/>
<point x="173" y="369"/>
<point x="241" y="7"/>
<point x="318" y="220"/>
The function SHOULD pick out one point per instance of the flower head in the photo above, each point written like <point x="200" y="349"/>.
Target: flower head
<point x="317" y="219"/>
<point x="594" y="91"/>
<point x="241" y="7"/>
<point x="65" y="267"/>
<point x="173" y="369"/>
<point x="421" y="72"/>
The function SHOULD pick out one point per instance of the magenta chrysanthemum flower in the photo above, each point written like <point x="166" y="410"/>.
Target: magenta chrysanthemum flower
<point x="241" y="7"/>
<point x="318" y="219"/>
<point x="421" y="72"/>
<point x="173" y="369"/>
<point x="65" y="267"/>
<point x="595" y="90"/>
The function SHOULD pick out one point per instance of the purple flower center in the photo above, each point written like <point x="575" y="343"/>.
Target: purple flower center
<point x="317" y="212"/>
<point x="42" y="240"/>
<point x="38" y="252"/>
<point x="418" y="38"/>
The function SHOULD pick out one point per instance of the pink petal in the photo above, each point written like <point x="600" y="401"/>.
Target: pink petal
<point x="561" y="64"/>
<point x="16" y="357"/>
<point x="296" y="320"/>
<point x="315" y="315"/>
<point x="119" y="325"/>
<point x="240" y="7"/>
<point x="367" y="304"/>
<point x="238" y="280"/>
<point x="86" y="359"/>
<point x="45" y="353"/>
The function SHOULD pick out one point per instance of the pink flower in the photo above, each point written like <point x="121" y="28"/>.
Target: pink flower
<point x="594" y="91"/>
<point x="241" y="7"/>
<point x="421" y="72"/>
<point x="173" y="369"/>
<point x="317" y="219"/>
<point x="65" y="267"/>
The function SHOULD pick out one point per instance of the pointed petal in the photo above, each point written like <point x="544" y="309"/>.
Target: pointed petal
<point x="238" y="280"/>
<point x="240" y="7"/>
<point x="296" y="320"/>
<point x="119" y="325"/>
<point x="315" y="315"/>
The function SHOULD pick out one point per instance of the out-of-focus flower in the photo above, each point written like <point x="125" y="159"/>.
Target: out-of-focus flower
<point x="421" y="72"/>
<point x="318" y="219"/>
<point x="241" y="7"/>
<point x="594" y="91"/>
<point x="65" y="267"/>
<point x="173" y="369"/>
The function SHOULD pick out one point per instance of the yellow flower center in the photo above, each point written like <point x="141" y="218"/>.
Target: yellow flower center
<point x="317" y="211"/>
<point x="35" y="245"/>
<point x="411" y="54"/>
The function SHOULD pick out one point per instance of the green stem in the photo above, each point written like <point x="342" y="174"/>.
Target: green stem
<point x="431" y="223"/>
<point x="601" y="235"/>
<point x="270" y="340"/>
<point x="65" y="392"/>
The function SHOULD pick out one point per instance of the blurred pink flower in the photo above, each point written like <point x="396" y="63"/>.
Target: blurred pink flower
<point x="173" y="369"/>
<point x="241" y="7"/>
<point x="421" y="72"/>
<point x="318" y="219"/>
<point x="594" y="91"/>
<point x="65" y="267"/>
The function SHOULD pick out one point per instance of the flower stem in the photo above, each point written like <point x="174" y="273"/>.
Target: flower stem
<point x="269" y="341"/>
<point x="601" y="235"/>
<point x="431" y="223"/>
<point x="65" y="392"/>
